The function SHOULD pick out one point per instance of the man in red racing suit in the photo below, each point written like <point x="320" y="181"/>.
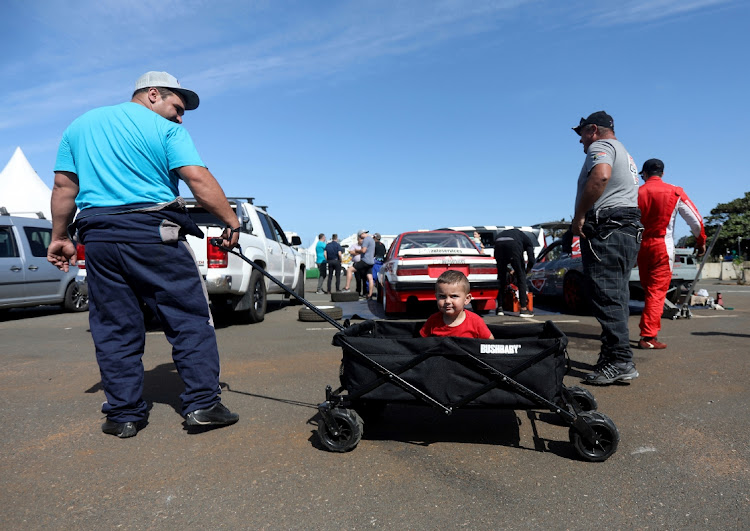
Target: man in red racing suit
<point x="660" y="203"/>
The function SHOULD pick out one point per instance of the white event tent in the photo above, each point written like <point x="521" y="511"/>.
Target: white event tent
<point x="22" y="191"/>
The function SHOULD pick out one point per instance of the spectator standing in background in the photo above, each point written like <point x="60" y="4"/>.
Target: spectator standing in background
<point x="380" y="250"/>
<point x="355" y="251"/>
<point x="320" y="261"/>
<point x="333" y="252"/>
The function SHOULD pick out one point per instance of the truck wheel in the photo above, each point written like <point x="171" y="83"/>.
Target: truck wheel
<point x="257" y="312"/>
<point x="74" y="300"/>
<point x="300" y="289"/>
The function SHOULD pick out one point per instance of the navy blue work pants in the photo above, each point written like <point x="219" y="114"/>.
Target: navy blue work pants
<point x="123" y="276"/>
<point x="607" y="264"/>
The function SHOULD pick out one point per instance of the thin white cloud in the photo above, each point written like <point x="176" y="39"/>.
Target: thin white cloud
<point x="81" y="54"/>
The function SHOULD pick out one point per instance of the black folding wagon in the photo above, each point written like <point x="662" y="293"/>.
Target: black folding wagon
<point x="387" y="362"/>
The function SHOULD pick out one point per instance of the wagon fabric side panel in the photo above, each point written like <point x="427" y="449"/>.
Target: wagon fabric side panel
<point x="445" y="368"/>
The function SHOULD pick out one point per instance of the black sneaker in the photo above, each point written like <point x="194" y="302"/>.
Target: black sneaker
<point x="499" y="312"/>
<point x="526" y="313"/>
<point x="610" y="372"/>
<point x="216" y="415"/>
<point x="123" y="430"/>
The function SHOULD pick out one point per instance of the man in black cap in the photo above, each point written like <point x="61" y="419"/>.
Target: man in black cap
<point x="607" y="220"/>
<point x="660" y="203"/>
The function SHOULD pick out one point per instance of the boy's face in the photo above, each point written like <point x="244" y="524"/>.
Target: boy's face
<point x="451" y="299"/>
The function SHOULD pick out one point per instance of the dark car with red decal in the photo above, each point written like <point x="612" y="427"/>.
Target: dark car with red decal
<point x="560" y="274"/>
<point x="416" y="259"/>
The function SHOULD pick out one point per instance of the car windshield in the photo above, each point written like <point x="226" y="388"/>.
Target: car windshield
<point x="436" y="242"/>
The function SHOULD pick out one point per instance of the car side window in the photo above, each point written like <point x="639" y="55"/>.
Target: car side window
<point x="8" y="247"/>
<point x="39" y="240"/>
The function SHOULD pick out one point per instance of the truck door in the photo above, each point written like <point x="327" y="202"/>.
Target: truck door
<point x="290" y="264"/>
<point x="275" y="264"/>
<point x="43" y="280"/>
<point x="12" y="272"/>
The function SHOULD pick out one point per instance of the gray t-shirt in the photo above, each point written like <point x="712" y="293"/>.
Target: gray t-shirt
<point x="622" y="187"/>
<point x="369" y="256"/>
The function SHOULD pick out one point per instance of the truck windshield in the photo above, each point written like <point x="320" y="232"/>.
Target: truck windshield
<point x="201" y="216"/>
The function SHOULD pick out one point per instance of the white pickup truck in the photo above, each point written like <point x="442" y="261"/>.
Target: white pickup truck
<point x="232" y="284"/>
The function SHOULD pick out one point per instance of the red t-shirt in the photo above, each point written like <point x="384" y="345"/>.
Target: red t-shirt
<point x="473" y="326"/>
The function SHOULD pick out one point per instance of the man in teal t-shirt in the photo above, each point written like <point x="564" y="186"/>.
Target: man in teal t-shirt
<point x="120" y="165"/>
<point x="320" y="261"/>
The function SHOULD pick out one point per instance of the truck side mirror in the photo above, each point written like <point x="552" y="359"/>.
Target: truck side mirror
<point x="296" y="240"/>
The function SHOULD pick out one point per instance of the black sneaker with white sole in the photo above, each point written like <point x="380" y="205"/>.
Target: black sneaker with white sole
<point x="610" y="372"/>
<point x="216" y="415"/>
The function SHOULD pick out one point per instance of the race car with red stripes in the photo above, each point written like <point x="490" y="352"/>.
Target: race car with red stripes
<point x="416" y="259"/>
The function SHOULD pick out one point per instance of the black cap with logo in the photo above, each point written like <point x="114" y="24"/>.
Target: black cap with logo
<point x="599" y="118"/>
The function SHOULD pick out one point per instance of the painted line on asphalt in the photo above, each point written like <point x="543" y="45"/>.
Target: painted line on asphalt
<point x="711" y="316"/>
<point x="527" y="320"/>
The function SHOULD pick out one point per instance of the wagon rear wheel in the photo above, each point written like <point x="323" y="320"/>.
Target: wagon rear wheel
<point x="583" y="398"/>
<point x="606" y="437"/>
<point x="347" y="433"/>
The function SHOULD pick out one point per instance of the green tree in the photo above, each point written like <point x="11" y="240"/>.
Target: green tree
<point x="735" y="218"/>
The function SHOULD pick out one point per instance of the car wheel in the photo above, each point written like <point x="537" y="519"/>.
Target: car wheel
<point x="387" y="307"/>
<point x="257" y="311"/>
<point x="74" y="300"/>
<point x="574" y="298"/>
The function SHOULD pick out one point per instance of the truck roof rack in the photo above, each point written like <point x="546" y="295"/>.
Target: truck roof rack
<point x="245" y="199"/>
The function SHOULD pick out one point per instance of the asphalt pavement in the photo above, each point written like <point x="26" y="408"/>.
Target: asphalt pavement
<point x="682" y="461"/>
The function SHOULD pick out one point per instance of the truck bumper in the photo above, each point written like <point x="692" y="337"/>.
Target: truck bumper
<point x="218" y="284"/>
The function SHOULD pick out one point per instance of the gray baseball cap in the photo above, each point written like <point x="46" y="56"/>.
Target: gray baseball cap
<point x="163" y="79"/>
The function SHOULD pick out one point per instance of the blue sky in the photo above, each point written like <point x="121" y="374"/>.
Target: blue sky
<point x="399" y="115"/>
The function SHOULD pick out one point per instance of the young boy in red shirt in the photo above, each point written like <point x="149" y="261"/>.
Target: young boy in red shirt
<point x="452" y="292"/>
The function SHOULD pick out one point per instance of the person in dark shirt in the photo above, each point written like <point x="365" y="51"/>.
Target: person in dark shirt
<point x="510" y="245"/>
<point x="380" y="249"/>
<point x="333" y="253"/>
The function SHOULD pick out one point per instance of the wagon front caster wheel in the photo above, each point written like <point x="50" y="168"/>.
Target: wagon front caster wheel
<point x="348" y="427"/>
<point x="606" y="437"/>
<point x="583" y="398"/>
